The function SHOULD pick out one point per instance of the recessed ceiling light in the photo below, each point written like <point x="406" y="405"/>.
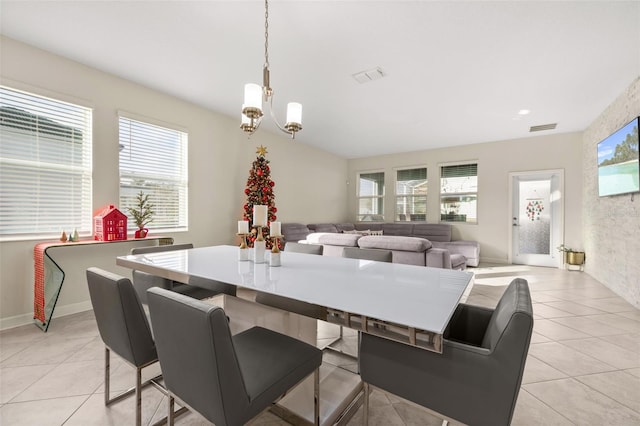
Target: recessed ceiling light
<point x="523" y="112"/>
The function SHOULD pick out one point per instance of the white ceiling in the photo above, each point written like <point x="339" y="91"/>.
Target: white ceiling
<point x="457" y="72"/>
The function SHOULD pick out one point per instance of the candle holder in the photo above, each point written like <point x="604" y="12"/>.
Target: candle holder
<point x="259" y="247"/>
<point x="243" y="251"/>
<point x="274" y="258"/>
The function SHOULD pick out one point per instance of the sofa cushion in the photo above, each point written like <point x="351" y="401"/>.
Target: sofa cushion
<point x="355" y="231"/>
<point x="391" y="242"/>
<point x="368" y="226"/>
<point x="322" y="227"/>
<point x="334" y="239"/>
<point x="433" y="231"/>
<point x="294" y="231"/>
<point x="342" y="227"/>
<point x="404" y="229"/>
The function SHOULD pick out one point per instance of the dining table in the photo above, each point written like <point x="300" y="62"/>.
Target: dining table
<point x="406" y="303"/>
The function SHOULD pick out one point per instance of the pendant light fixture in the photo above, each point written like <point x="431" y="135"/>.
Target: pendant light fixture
<point x="255" y="95"/>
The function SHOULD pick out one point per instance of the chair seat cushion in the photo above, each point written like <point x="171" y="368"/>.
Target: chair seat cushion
<point x="271" y="363"/>
<point x="193" y="291"/>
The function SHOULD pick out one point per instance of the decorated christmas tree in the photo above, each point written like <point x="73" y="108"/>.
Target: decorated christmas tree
<point x="259" y="191"/>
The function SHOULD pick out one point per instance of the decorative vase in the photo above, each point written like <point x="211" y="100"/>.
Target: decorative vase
<point x="141" y="233"/>
<point x="575" y="257"/>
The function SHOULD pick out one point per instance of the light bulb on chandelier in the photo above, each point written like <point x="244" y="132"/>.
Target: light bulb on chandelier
<point x="255" y="95"/>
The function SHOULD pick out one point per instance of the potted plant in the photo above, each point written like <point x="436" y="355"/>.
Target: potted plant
<point x="142" y="214"/>
<point x="572" y="257"/>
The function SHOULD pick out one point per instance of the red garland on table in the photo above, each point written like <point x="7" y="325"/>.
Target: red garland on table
<point x="259" y="191"/>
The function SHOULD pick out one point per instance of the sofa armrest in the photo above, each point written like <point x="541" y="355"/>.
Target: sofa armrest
<point x="438" y="258"/>
<point x="469" y="249"/>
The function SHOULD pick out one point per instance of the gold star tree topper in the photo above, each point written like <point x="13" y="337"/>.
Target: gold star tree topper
<point x="261" y="151"/>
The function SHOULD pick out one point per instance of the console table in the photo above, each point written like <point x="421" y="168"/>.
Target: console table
<point x="49" y="276"/>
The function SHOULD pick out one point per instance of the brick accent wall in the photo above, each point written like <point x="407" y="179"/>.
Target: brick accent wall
<point x="611" y="225"/>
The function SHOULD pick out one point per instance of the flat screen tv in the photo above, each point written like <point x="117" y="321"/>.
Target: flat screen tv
<point x="618" y="167"/>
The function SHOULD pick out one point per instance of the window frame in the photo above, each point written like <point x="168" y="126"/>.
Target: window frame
<point x="475" y="193"/>
<point x="51" y="107"/>
<point x="380" y="197"/>
<point x="181" y="181"/>
<point x="411" y="196"/>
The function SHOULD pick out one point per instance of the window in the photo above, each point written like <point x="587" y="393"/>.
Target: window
<point x="411" y="195"/>
<point x="371" y="197"/>
<point x="45" y="166"/>
<point x="459" y="193"/>
<point x="153" y="160"/>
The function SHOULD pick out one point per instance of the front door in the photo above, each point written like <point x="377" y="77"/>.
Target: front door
<point x="536" y="219"/>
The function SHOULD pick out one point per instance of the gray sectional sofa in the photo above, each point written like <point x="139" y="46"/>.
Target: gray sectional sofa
<point x="417" y="244"/>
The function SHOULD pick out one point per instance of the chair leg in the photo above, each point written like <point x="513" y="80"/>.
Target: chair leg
<point x="107" y="367"/>
<point x="316" y="397"/>
<point x="170" y="413"/>
<point x="365" y="408"/>
<point x="138" y="396"/>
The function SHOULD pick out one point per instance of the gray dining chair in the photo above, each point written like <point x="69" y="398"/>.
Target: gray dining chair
<point x="290" y="305"/>
<point x="304" y="248"/>
<point x="477" y="377"/>
<point x="227" y="379"/>
<point x="124" y="329"/>
<point x="362" y="254"/>
<point x="198" y="288"/>
<point x="367" y="254"/>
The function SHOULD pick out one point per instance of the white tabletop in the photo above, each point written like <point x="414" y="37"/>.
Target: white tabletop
<point x="414" y="296"/>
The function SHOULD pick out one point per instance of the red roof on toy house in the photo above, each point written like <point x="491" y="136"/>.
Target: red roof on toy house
<point x="110" y="224"/>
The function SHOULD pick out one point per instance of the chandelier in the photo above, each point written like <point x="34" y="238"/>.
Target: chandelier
<point x="255" y="95"/>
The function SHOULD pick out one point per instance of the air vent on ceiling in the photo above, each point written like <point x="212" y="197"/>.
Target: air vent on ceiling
<point x="369" y="75"/>
<point x="542" y="127"/>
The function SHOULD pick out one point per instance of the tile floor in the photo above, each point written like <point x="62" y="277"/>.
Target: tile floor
<point x="583" y="366"/>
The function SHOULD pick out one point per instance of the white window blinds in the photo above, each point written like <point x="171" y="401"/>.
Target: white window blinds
<point x="411" y="195"/>
<point x="153" y="160"/>
<point x="459" y="193"/>
<point x="371" y="197"/>
<point x="45" y="166"/>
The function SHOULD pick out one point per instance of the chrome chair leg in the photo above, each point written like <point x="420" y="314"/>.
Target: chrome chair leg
<point x="107" y="368"/>
<point x="138" y="396"/>
<point x="316" y="397"/>
<point x="365" y="414"/>
<point x="170" y="415"/>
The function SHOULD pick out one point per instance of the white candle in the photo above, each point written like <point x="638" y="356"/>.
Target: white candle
<point x="243" y="227"/>
<point x="275" y="228"/>
<point x="259" y="215"/>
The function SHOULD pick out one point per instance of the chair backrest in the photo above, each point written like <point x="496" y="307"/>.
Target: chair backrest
<point x="304" y="248"/>
<point x="514" y="305"/>
<point x="367" y="254"/>
<point x="144" y="281"/>
<point x="156" y="249"/>
<point x="196" y="352"/>
<point x="121" y="320"/>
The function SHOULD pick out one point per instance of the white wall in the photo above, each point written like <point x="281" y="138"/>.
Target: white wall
<point x="612" y="224"/>
<point x="495" y="161"/>
<point x="310" y="184"/>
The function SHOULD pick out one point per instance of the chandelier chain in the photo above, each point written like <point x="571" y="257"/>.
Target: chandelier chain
<point x="266" y="33"/>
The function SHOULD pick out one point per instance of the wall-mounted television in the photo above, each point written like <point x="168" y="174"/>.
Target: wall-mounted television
<point x="618" y="167"/>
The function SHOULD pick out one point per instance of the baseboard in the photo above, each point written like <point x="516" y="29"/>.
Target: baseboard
<point x="60" y="311"/>
<point x="492" y="260"/>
